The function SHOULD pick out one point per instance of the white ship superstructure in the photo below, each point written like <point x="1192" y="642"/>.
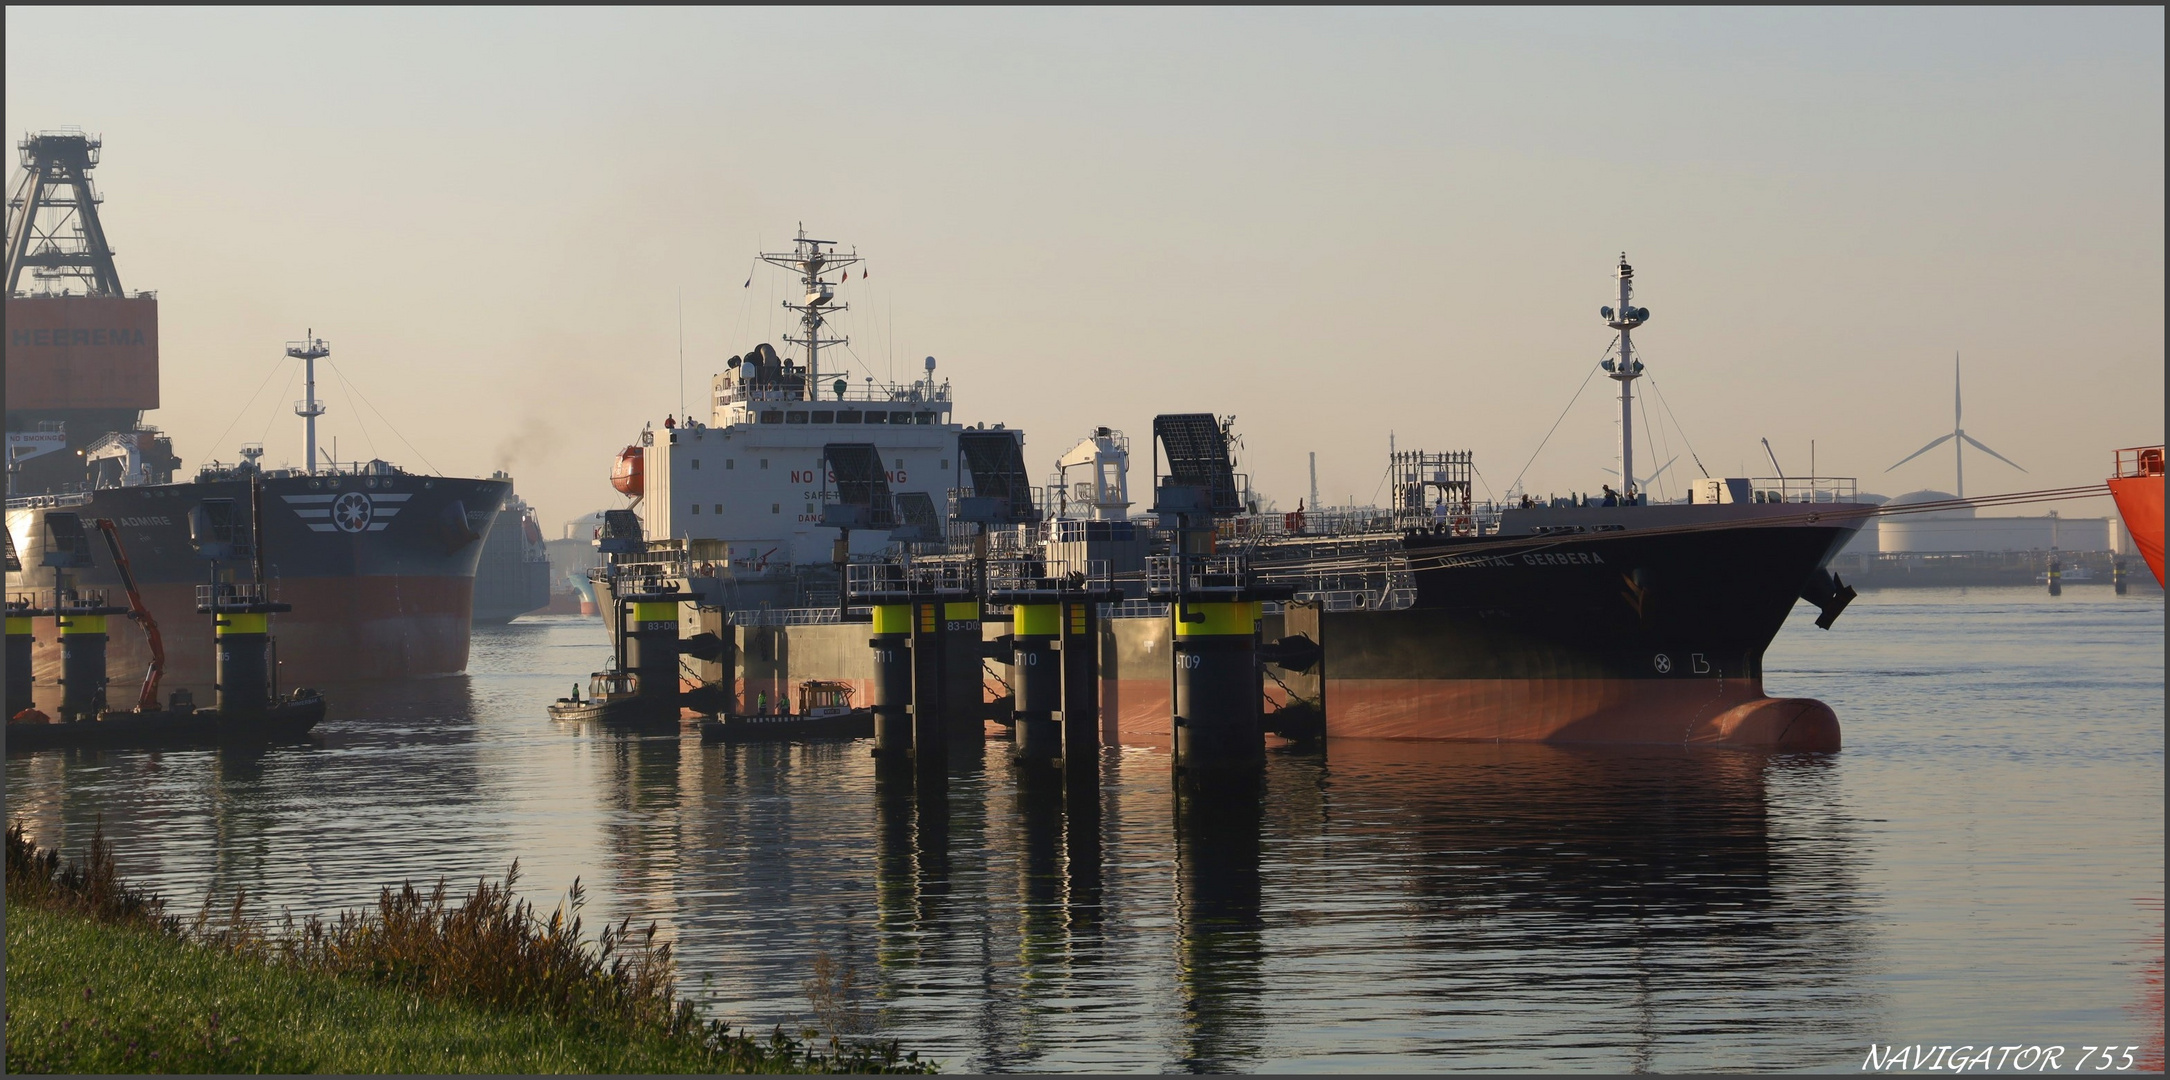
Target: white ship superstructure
<point x="751" y="481"/>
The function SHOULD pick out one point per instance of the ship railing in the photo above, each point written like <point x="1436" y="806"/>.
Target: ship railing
<point x="1337" y="521"/>
<point x="1361" y="599"/>
<point x="807" y="616"/>
<point x="942" y="573"/>
<point x="2139" y="461"/>
<point x="1804" y="489"/>
<point x="869" y="577"/>
<point x="863" y="393"/>
<point x="1207" y="573"/>
<point x="1027" y="572"/>
<point x="372" y="467"/>
<point x="1135" y="608"/>
<point x="237" y="592"/>
<point x="40" y="502"/>
<point x="48" y="599"/>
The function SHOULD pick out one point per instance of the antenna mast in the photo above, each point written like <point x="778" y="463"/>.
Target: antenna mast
<point x="811" y="262"/>
<point x="1626" y="370"/>
<point x="308" y="408"/>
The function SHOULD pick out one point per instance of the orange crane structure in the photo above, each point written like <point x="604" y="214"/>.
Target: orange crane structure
<point x="147" y="701"/>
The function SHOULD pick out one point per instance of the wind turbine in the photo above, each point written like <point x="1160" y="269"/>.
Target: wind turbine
<point x="1645" y="481"/>
<point x="1959" y="440"/>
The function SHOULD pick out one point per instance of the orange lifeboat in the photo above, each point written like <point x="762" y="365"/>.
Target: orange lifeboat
<point x="625" y="473"/>
<point x="2138" y="488"/>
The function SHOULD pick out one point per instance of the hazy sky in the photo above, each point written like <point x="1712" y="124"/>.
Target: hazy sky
<point x="1331" y="223"/>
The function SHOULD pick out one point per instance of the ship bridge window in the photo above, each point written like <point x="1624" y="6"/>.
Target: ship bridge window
<point x="923" y="418"/>
<point x="877" y="418"/>
<point x="900" y="418"/>
<point x="719" y="508"/>
<point x="794" y="417"/>
<point x="776" y="508"/>
<point x="848" y="416"/>
<point x="772" y="416"/>
<point x="821" y="417"/>
<point x="696" y="508"/>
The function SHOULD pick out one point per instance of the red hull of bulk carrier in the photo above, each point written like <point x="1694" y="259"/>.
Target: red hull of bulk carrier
<point x="1632" y="711"/>
<point x="388" y="594"/>
<point x="341" y="629"/>
<point x="2138" y="489"/>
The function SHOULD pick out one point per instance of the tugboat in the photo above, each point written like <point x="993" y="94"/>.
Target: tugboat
<point x="825" y="712"/>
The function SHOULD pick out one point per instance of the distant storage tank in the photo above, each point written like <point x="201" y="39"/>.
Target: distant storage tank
<point x="625" y="473"/>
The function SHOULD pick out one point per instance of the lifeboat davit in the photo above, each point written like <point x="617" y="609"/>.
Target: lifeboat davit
<point x="625" y="473"/>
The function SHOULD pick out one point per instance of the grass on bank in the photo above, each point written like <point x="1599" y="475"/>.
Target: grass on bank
<point x="101" y="979"/>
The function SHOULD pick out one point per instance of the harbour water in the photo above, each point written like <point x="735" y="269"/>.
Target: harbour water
<point x="1982" y="864"/>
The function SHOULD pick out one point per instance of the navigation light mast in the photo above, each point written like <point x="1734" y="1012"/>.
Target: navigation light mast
<point x="308" y="408"/>
<point x="1626" y="370"/>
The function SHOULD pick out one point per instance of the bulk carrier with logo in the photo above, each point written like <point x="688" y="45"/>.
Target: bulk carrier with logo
<point x="378" y="562"/>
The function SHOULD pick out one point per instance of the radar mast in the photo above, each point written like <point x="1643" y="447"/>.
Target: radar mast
<point x="810" y="261"/>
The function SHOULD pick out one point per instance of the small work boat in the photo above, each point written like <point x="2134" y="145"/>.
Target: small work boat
<point x="615" y="697"/>
<point x="825" y="712"/>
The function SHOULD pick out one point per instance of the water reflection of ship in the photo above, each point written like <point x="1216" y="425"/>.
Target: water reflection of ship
<point x="756" y="867"/>
<point x="1668" y="885"/>
<point x="935" y="884"/>
<point x="1661" y="877"/>
<point x="258" y="799"/>
<point x="198" y="822"/>
<point x="644" y="833"/>
<point x="1219" y="826"/>
<point x="1056" y="818"/>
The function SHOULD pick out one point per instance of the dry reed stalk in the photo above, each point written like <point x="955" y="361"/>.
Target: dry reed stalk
<point x="492" y="949"/>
